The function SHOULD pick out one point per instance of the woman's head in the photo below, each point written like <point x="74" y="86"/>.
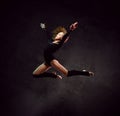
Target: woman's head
<point x="58" y="32"/>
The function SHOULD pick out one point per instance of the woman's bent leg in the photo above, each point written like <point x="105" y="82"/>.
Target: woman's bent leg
<point x="55" y="64"/>
<point x="41" y="69"/>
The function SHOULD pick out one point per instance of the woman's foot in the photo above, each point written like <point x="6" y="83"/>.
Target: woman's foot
<point x="91" y="74"/>
<point x="58" y="76"/>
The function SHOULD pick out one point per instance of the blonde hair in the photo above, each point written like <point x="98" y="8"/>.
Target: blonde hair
<point x="57" y="30"/>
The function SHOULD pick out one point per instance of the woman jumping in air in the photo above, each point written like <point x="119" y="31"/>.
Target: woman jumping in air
<point x="59" y="37"/>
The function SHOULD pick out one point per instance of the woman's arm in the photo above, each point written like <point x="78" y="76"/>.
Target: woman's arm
<point x="71" y="28"/>
<point x="43" y="26"/>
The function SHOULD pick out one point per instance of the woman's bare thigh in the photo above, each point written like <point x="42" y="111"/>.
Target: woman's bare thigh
<point x="41" y="69"/>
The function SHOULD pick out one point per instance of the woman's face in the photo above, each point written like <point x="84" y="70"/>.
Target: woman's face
<point x="59" y="35"/>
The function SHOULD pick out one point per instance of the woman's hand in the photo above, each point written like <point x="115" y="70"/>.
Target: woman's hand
<point x="73" y="26"/>
<point x="42" y="25"/>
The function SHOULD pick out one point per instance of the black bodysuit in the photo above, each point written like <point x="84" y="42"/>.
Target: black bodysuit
<point x="52" y="48"/>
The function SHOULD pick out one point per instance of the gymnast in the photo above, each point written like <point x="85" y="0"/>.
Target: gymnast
<point x="60" y="35"/>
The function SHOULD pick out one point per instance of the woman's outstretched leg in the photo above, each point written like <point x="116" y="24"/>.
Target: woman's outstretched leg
<point x="82" y="72"/>
<point x="55" y="64"/>
<point x="40" y="71"/>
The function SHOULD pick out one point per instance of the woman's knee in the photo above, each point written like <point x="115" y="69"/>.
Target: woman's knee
<point x="35" y="73"/>
<point x="41" y="69"/>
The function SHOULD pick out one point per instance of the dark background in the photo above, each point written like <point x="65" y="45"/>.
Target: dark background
<point x="93" y="46"/>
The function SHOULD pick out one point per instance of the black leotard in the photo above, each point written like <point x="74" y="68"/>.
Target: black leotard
<point x="52" y="48"/>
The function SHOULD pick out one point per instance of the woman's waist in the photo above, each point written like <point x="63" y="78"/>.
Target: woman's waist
<point x="52" y="47"/>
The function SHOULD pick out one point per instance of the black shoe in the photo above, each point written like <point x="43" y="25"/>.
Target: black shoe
<point x="91" y="74"/>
